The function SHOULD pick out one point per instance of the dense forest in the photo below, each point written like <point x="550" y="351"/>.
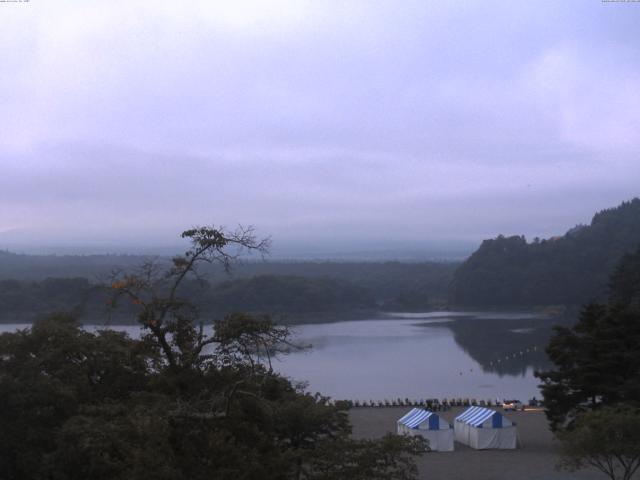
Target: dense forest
<point x="387" y="281"/>
<point x="290" y="299"/>
<point x="571" y="270"/>
<point x="291" y="291"/>
<point x="38" y="267"/>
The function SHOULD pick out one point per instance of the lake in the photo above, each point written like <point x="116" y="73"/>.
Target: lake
<point x="417" y="357"/>
<point x="430" y="355"/>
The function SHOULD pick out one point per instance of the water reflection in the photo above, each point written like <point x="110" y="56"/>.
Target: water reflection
<point x="510" y="343"/>
<point x="424" y="355"/>
<point x="439" y="354"/>
<point x="505" y="346"/>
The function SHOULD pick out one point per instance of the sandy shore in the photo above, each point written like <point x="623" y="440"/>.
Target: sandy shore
<point x="534" y="460"/>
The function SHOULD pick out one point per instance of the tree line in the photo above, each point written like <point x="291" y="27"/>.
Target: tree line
<point x="287" y="297"/>
<point x="291" y="298"/>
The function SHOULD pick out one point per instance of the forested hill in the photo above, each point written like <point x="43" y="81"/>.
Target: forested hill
<point x="570" y="270"/>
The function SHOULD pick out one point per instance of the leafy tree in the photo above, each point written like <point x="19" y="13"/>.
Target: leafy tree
<point x="243" y="339"/>
<point x="607" y="439"/>
<point x="48" y="373"/>
<point x="154" y="293"/>
<point x="597" y="361"/>
<point x="177" y="404"/>
<point x="118" y="441"/>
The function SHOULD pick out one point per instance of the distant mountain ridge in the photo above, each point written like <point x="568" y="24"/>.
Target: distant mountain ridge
<point x="571" y="269"/>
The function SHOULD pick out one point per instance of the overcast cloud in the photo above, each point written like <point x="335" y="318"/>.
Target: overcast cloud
<point x="370" y="123"/>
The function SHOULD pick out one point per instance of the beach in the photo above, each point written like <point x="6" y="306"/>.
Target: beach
<point x="534" y="459"/>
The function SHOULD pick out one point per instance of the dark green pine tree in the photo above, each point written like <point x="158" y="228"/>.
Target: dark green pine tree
<point x="597" y="361"/>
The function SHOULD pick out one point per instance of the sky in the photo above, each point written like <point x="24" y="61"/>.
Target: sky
<point x="328" y="125"/>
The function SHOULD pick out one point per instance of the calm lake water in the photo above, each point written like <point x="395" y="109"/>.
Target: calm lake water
<point x="428" y="355"/>
<point x="415" y="357"/>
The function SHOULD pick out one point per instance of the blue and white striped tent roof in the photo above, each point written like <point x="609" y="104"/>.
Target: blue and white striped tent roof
<point x="476" y="416"/>
<point x="418" y="416"/>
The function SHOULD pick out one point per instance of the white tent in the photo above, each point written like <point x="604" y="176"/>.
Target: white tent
<point x="481" y="428"/>
<point x="430" y="426"/>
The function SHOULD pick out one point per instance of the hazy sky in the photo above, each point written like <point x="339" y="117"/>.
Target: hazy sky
<point x="368" y="123"/>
